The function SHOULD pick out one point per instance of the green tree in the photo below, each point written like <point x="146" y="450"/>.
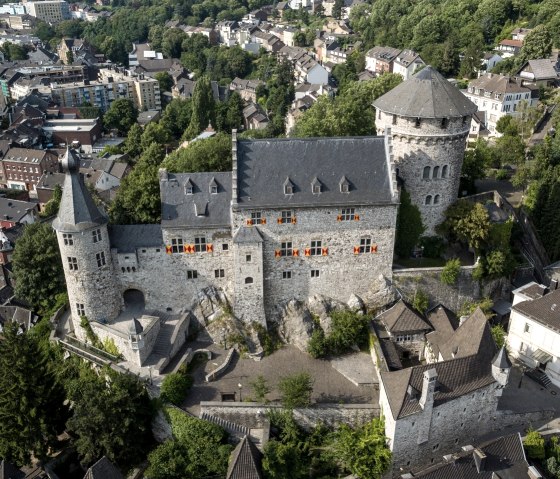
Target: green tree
<point x="537" y="44"/>
<point x="534" y="445"/>
<point x="112" y="416"/>
<point x="260" y="388"/>
<point x="175" y="386"/>
<point x="171" y="44"/>
<point x="165" y="81"/>
<point x="155" y="133"/>
<point x="409" y="226"/>
<point x="499" y="335"/>
<point x="51" y="208"/>
<point x="474" y="227"/>
<point x="421" y="301"/>
<point x="296" y="390"/>
<point x="132" y="145"/>
<point x="337" y="8"/>
<point x="87" y="110"/>
<point x="450" y="272"/>
<point x="38" y="274"/>
<point x="177" y="116"/>
<point x="210" y="154"/>
<point x="121" y="115"/>
<point x="282" y="461"/>
<point x="170" y="460"/>
<point x="31" y="403"/>
<point x="203" y="107"/>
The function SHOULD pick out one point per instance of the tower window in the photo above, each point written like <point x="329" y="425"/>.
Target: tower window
<point x="394" y="119"/>
<point x="68" y="239"/>
<point x="417" y="123"/>
<point x="100" y="257"/>
<point x="192" y="274"/>
<point x="444" y="171"/>
<point x="80" y="309"/>
<point x="219" y="273"/>
<point x="248" y="280"/>
<point x="176" y="245"/>
<point x="200" y="244"/>
<point x="428" y="200"/>
<point x="72" y="263"/>
<point x="436" y="200"/>
<point x="426" y="173"/>
<point x="348" y="214"/>
<point x="286" y="275"/>
<point x="365" y="245"/>
<point x="316" y="248"/>
<point x="286" y="248"/>
<point x="96" y="235"/>
<point x="225" y="247"/>
<point x="248" y="258"/>
<point x="435" y="173"/>
<point x="444" y="122"/>
<point x="315" y="273"/>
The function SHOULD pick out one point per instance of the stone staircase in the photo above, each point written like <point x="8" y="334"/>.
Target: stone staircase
<point x="161" y="352"/>
<point x="540" y="377"/>
<point x="232" y="428"/>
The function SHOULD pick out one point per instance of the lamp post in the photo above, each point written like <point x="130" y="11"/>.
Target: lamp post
<point x="240" y="386"/>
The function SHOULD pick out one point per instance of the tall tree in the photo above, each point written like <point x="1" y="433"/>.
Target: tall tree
<point x="121" y="115"/>
<point x="203" y="107"/>
<point x="132" y="145"/>
<point x="31" y="403"/>
<point x="537" y="44"/>
<point x="409" y="226"/>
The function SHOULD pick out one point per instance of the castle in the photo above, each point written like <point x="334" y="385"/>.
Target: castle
<point x="294" y="218"/>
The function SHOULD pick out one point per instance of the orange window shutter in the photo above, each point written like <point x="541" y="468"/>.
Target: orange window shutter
<point x="279" y="221"/>
<point x="357" y="217"/>
<point x="263" y="221"/>
<point x="294" y="220"/>
<point x="249" y="222"/>
<point x="209" y="248"/>
<point x="307" y="252"/>
<point x="356" y="250"/>
<point x="325" y="251"/>
<point x="168" y="249"/>
<point x="185" y="248"/>
<point x="295" y="252"/>
<point x="277" y="253"/>
<point x="190" y="248"/>
<point x="374" y="248"/>
<point x="339" y="218"/>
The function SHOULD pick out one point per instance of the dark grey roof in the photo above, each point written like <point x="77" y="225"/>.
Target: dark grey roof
<point x="77" y="210"/>
<point x="427" y="94"/>
<point x="401" y="318"/>
<point x="248" y="234"/>
<point x="505" y="459"/>
<point x="103" y="469"/>
<point x="129" y="238"/>
<point x="15" y="210"/>
<point x="9" y="471"/>
<point x="202" y="208"/>
<point x="545" y="310"/>
<point x="501" y="359"/>
<point x="49" y="180"/>
<point x="264" y="165"/>
<point x="245" y="461"/>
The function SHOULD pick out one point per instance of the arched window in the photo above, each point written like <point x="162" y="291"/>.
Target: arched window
<point x="428" y="200"/>
<point x="436" y="200"/>
<point x="133" y="269"/>
<point x="123" y="269"/>
<point x="426" y="174"/>
<point x="435" y="174"/>
<point x="444" y="170"/>
<point x="128" y="269"/>
<point x="248" y="280"/>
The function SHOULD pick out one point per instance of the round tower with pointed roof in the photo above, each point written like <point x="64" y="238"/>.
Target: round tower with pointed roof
<point x="428" y="120"/>
<point x="84" y="245"/>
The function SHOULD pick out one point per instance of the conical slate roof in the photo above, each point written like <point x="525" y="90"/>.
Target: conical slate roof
<point x="135" y="327"/>
<point x="77" y="210"/>
<point x="245" y="461"/>
<point x="501" y="359"/>
<point x="426" y="95"/>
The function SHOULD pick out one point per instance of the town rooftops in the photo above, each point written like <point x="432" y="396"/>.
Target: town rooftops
<point x="542" y="69"/>
<point x="264" y="165"/>
<point x="496" y="84"/>
<point x="511" y="43"/>
<point x="14" y="210"/>
<point x="427" y="94"/>
<point x="402" y="318"/>
<point x="544" y="309"/>
<point x="25" y="155"/>
<point x="387" y="54"/>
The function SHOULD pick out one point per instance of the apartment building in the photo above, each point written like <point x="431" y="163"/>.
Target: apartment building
<point x="50" y="11"/>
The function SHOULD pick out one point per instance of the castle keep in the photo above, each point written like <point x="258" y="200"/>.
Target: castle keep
<point x="294" y="218"/>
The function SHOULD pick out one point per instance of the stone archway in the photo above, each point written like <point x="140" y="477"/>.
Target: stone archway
<point x="134" y="301"/>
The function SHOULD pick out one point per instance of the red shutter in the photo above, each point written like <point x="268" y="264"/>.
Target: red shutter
<point x="294" y="220"/>
<point x="277" y="253"/>
<point x="295" y="252"/>
<point x="374" y="248"/>
<point x="356" y="250"/>
<point x="210" y="248"/>
<point x="263" y="221"/>
<point x="168" y="249"/>
<point x="279" y="221"/>
<point x="189" y="248"/>
<point x="357" y="217"/>
<point x="325" y="251"/>
<point x="249" y="222"/>
<point x="339" y="218"/>
<point x="307" y="252"/>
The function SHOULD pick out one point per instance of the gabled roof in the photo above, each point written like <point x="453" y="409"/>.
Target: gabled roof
<point x="103" y="469"/>
<point x="401" y="318"/>
<point x="501" y="359"/>
<point x="128" y="238"/>
<point x="542" y="69"/>
<point x="444" y="323"/>
<point x="545" y="310"/>
<point x="245" y="461"/>
<point x="427" y="94"/>
<point x="248" y="235"/>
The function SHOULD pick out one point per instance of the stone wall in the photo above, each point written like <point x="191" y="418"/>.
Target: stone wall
<point x="432" y="146"/>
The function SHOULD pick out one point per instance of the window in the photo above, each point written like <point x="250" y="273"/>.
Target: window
<point x="527" y="327"/>
<point x="189" y="190"/>
<point x="100" y="257"/>
<point x="286" y="217"/>
<point x="316" y="189"/>
<point x="428" y="200"/>
<point x="192" y="274"/>
<point x="72" y="263"/>
<point x="426" y="173"/>
<point x="225" y="247"/>
<point x="436" y="200"/>
<point x="347" y="214"/>
<point x="444" y="122"/>
<point x="248" y="258"/>
<point x="286" y="249"/>
<point x="200" y="244"/>
<point x="80" y="309"/>
<point x="315" y="273"/>
<point x="286" y="275"/>
<point x="96" y="236"/>
<point x="435" y="173"/>
<point x="219" y="273"/>
<point x="248" y="280"/>
<point x="444" y="171"/>
<point x="394" y="119"/>
<point x="68" y="239"/>
<point x="176" y="245"/>
<point x="256" y="218"/>
<point x="316" y="248"/>
<point x="417" y="123"/>
<point x="435" y="447"/>
<point x="365" y="245"/>
<point x="214" y="190"/>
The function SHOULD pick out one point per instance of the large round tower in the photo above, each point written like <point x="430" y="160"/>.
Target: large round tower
<point x="83" y="239"/>
<point x="429" y="120"/>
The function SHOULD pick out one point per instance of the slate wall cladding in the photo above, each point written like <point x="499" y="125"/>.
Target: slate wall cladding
<point x="428" y="145"/>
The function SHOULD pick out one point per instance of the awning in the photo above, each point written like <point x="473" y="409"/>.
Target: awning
<point x="541" y="356"/>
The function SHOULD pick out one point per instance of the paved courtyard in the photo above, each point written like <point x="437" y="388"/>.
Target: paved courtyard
<point x="330" y="386"/>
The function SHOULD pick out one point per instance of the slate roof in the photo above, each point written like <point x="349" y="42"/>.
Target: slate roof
<point x="129" y="238"/>
<point x="505" y="459"/>
<point x="545" y="310"/>
<point x="444" y="323"/>
<point x="17" y="314"/>
<point x="427" y="94"/>
<point x="180" y="209"/>
<point x="402" y="319"/>
<point x="15" y="210"/>
<point x="77" y="210"/>
<point x="496" y="85"/>
<point x="387" y="54"/>
<point x="501" y="359"/>
<point x="248" y="234"/>
<point x="245" y="461"/>
<point x="542" y="69"/>
<point x="264" y="165"/>
<point x="103" y="469"/>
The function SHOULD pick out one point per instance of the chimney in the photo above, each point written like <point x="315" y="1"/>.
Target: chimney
<point x="479" y="459"/>
<point x="428" y="388"/>
<point x="553" y="285"/>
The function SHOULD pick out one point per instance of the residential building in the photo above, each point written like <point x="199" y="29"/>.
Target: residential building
<point x="22" y="168"/>
<point x="520" y="33"/>
<point x="80" y="134"/>
<point x="50" y="11"/>
<point x="70" y="48"/>
<point x="534" y="328"/>
<point x="489" y="61"/>
<point x="509" y="48"/>
<point x="380" y="59"/>
<point x="46" y="186"/>
<point x="142" y="51"/>
<point x="13" y="9"/>
<point x="407" y="62"/>
<point x="542" y="72"/>
<point x="306" y="68"/>
<point x="14" y="212"/>
<point x="247" y="89"/>
<point x="254" y="117"/>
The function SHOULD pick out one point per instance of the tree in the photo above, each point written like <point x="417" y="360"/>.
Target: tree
<point x="51" y="208"/>
<point x="175" y="386"/>
<point x="260" y="388"/>
<point x="177" y="116"/>
<point x="499" y="335"/>
<point x="363" y="451"/>
<point x="421" y="301"/>
<point x="409" y="226"/>
<point x="474" y="227"/>
<point x="170" y="460"/>
<point x="296" y="390"/>
<point x="337" y="9"/>
<point x="534" y="445"/>
<point x="450" y="272"/>
<point x="210" y="154"/>
<point x="155" y="133"/>
<point x="87" y="110"/>
<point x="31" y="403"/>
<point x="38" y="273"/>
<point x="537" y="44"/>
<point x="121" y="115"/>
<point x="132" y="145"/>
<point x="165" y="81"/>
<point x="171" y="44"/>
<point x="112" y="416"/>
<point x="203" y="106"/>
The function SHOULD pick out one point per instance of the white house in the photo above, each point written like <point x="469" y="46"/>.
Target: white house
<point x="534" y="329"/>
<point x="406" y="63"/>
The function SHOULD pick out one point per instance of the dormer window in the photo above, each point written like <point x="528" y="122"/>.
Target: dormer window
<point x="316" y="186"/>
<point x="344" y="185"/>
<point x="213" y="187"/>
<point x="288" y="187"/>
<point x="189" y="187"/>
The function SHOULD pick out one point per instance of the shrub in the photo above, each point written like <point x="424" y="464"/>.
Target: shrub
<point x="348" y="329"/>
<point x="433" y="246"/>
<point x="450" y="272"/>
<point x="499" y="335"/>
<point x="296" y="390"/>
<point x="421" y="301"/>
<point x="502" y="174"/>
<point x="317" y="345"/>
<point x="260" y="388"/>
<point x="534" y="445"/>
<point x="175" y="386"/>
